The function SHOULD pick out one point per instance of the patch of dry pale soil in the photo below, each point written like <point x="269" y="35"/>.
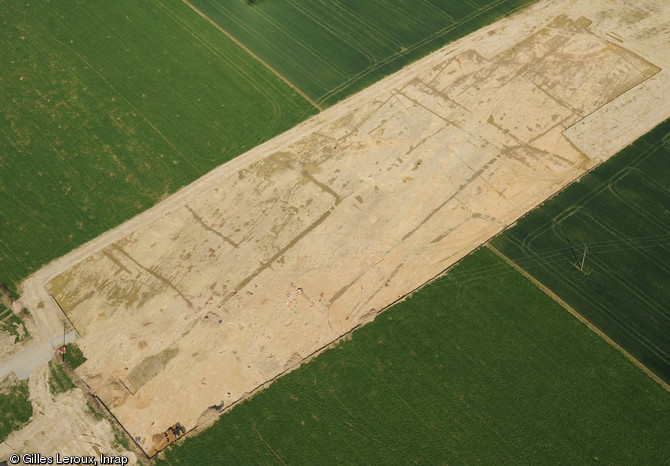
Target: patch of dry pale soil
<point x="54" y="421"/>
<point x="239" y="277"/>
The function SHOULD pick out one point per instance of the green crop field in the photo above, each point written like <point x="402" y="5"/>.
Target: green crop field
<point x="480" y="366"/>
<point x="73" y="355"/>
<point x="59" y="381"/>
<point x="109" y="106"/>
<point x="332" y="49"/>
<point x="621" y="212"/>
<point x="15" y="405"/>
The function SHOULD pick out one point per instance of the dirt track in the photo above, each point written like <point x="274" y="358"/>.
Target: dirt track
<point x="360" y="204"/>
<point x="53" y="422"/>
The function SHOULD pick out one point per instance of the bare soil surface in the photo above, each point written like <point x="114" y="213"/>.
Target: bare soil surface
<point x="39" y="352"/>
<point x="54" y="421"/>
<point x="237" y="278"/>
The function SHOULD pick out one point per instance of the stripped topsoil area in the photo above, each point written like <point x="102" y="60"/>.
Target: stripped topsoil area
<point x="238" y="278"/>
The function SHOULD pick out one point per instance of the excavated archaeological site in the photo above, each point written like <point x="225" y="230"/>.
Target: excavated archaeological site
<point x="240" y="277"/>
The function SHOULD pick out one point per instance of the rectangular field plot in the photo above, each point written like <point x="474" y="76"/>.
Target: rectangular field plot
<point x="480" y="366"/>
<point x="107" y="107"/>
<point x="332" y="49"/>
<point x="281" y="258"/>
<point x="621" y="212"/>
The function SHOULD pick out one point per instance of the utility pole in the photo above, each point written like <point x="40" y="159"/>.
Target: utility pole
<point x="62" y="355"/>
<point x="581" y="267"/>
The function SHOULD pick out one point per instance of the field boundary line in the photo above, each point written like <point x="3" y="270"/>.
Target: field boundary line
<point x="247" y="50"/>
<point x="97" y="405"/>
<point x="213" y="417"/>
<point x="576" y="314"/>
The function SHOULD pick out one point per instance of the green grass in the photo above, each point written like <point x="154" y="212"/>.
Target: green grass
<point x="59" y="381"/>
<point x="5" y="312"/>
<point x="480" y="366"/>
<point x="120" y="441"/>
<point x="95" y="414"/>
<point x="109" y="106"/>
<point x="13" y="324"/>
<point x="15" y="406"/>
<point x="331" y="49"/>
<point x="621" y="211"/>
<point x="73" y="355"/>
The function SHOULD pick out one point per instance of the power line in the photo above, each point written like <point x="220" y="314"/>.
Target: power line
<point x="556" y="256"/>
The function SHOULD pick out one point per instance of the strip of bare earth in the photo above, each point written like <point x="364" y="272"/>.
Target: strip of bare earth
<point x="477" y="172"/>
<point x="345" y="143"/>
